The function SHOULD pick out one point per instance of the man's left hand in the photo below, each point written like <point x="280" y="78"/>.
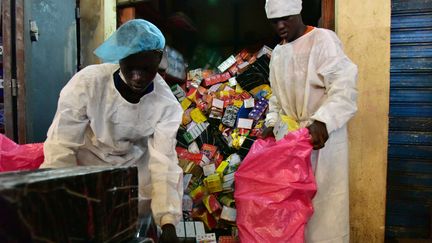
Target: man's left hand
<point x="318" y="131"/>
<point x="168" y="234"/>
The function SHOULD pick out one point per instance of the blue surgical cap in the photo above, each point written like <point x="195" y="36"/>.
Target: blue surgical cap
<point x="132" y="37"/>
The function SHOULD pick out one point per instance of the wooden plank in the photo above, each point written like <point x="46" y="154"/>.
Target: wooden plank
<point x="408" y="37"/>
<point x="411" y="80"/>
<point x="20" y="62"/>
<point x="418" y="124"/>
<point x="416" y="208"/>
<point x="410" y="110"/>
<point x="7" y="68"/>
<point x="407" y="21"/>
<point x="417" y="95"/>
<point x="411" y="64"/>
<point x="418" y="221"/>
<point x="408" y="193"/>
<point x="328" y="14"/>
<point x="404" y="232"/>
<point x="409" y="151"/>
<point x="410" y="138"/>
<point x="419" y="181"/>
<point x="411" y="51"/>
<point x="410" y="165"/>
<point x="411" y="5"/>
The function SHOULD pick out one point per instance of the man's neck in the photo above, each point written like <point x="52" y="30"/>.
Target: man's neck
<point x="302" y="30"/>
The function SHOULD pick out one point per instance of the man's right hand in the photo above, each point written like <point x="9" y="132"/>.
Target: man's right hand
<point x="267" y="132"/>
<point x="319" y="134"/>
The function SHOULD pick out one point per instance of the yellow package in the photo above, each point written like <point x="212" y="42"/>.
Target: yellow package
<point x="238" y="103"/>
<point x="192" y="94"/>
<point x="198" y="193"/>
<point x="213" y="183"/>
<point x="237" y="139"/>
<point x="186" y="119"/>
<point x="186" y="103"/>
<point x="222" y="168"/>
<point x="197" y="116"/>
<point x="238" y="89"/>
<point x="284" y="125"/>
<point x="263" y="87"/>
<point x="224" y="94"/>
<point x="290" y="122"/>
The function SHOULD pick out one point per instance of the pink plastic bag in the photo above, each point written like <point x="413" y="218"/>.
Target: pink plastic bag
<point x="19" y="157"/>
<point x="274" y="187"/>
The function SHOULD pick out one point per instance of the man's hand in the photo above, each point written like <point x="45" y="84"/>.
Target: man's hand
<point x="318" y="131"/>
<point x="168" y="234"/>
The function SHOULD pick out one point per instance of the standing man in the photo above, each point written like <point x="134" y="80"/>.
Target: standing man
<point x="314" y="82"/>
<point x="123" y="113"/>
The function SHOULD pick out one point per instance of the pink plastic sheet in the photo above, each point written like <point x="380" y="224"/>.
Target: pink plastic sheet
<point x="19" y="157"/>
<point x="274" y="187"/>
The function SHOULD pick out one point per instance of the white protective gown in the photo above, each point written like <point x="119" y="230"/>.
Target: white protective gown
<point x="312" y="79"/>
<point x="95" y="125"/>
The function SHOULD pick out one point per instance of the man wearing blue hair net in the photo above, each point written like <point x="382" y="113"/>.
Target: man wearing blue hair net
<point x="123" y="113"/>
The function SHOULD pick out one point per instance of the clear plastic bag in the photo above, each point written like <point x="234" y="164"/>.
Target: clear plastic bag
<point x="274" y="187"/>
<point x="19" y="157"/>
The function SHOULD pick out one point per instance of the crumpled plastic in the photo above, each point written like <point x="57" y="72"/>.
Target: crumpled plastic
<point x="274" y="187"/>
<point x="15" y="157"/>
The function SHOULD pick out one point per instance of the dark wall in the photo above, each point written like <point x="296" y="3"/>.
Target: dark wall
<point x="226" y="26"/>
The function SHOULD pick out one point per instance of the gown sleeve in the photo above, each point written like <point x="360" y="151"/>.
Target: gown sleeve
<point x="339" y="74"/>
<point x="66" y="133"/>
<point x="274" y="105"/>
<point x="166" y="174"/>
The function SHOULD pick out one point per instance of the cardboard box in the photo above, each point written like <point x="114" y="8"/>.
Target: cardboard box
<point x="79" y="204"/>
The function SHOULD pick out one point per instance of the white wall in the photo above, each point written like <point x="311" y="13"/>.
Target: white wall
<point x="364" y="28"/>
<point x="98" y="22"/>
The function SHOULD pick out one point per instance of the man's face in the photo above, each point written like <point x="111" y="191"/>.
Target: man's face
<point x="139" y="69"/>
<point x="287" y="27"/>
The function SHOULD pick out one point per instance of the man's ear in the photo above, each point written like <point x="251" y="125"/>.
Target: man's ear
<point x="160" y="54"/>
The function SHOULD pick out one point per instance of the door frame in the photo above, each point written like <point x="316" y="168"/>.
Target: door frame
<point x="20" y="70"/>
<point x="13" y="69"/>
<point x="328" y="14"/>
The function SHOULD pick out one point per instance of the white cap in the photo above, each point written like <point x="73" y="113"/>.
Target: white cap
<point x="282" y="8"/>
